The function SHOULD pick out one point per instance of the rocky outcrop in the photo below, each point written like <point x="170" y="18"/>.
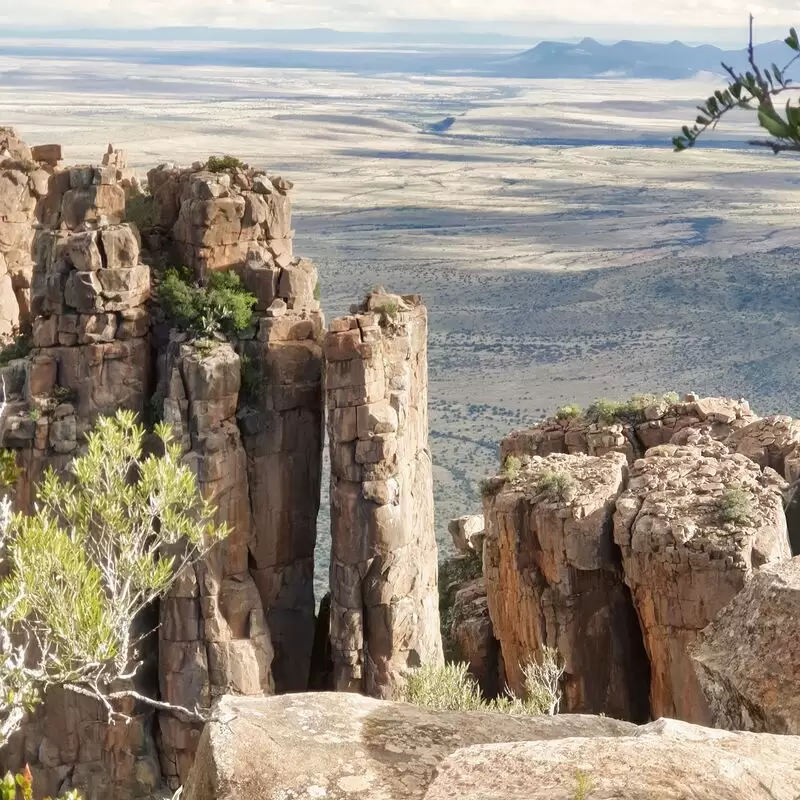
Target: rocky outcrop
<point x="468" y="533"/>
<point x="666" y="760"/>
<point x="555" y="580"/>
<point x="384" y="605"/>
<point x="684" y="562"/>
<point x="281" y="417"/>
<point x="629" y="428"/>
<point x="213" y="637"/>
<point x="771" y="442"/>
<point x="471" y="637"/>
<point x="748" y="658"/>
<point x="216" y="220"/>
<point x="343" y="745"/>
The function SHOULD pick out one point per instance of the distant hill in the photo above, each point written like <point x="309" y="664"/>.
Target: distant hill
<point x="591" y="59"/>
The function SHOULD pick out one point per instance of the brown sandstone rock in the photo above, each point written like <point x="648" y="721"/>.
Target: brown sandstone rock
<point x="468" y="533"/>
<point x="345" y="745"/>
<point x="384" y="606"/>
<point x="769" y="442"/>
<point x="748" y="658"/>
<point x="683" y="563"/>
<point x="666" y="760"/>
<point x="554" y="580"/>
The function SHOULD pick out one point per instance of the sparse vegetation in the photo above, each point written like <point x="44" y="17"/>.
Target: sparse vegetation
<point x="671" y="398"/>
<point x="453" y="574"/>
<point x="451" y="688"/>
<point x="20" y="347"/>
<point x="224" y="305"/>
<point x="608" y="412"/>
<point x="9" y="471"/>
<point x="583" y="786"/>
<point x="317" y="291"/>
<point x="489" y="487"/>
<point x="555" y="486"/>
<point x="388" y="310"/>
<point x="735" y="505"/>
<point x="604" y="411"/>
<point x="224" y="163"/>
<point x="511" y="467"/>
<point x="140" y="209"/>
<point x="251" y="377"/>
<point x="569" y="412"/>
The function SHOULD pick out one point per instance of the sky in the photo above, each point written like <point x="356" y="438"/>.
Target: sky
<point x="712" y="20"/>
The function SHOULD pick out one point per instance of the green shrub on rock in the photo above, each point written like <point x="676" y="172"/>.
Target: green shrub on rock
<point x="735" y="505"/>
<point x="222" y="305"/>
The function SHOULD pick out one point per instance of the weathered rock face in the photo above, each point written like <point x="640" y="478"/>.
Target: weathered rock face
<point x="665" y="760"/>
<point x="472" y="638"/>
<point x="747" y="658"/>
<point x="468" y="533"/>
<point x="683" y="563"/>
<point x="384" y="606"/>
<point x="343" y="745"/>
<point x="68" y="744"/>
<point x="771" y="442"/>
<point x="217" y="219"/>
<point x="651" y="425"/>
<point x="24" y="185"/>
<point x="554" y="580"/>
<point x="213" y="637"/>
<point x="281" y="419"/>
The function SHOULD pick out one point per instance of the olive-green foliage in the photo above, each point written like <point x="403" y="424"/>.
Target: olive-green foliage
<point x="19" y="348"/>
<point x="140" y="210"/>
<point x="450" y="687"/>
<point x="9" y="471"/>
<point x="317" y="291"/>
<point x="511" y="467"/>
<point x="571" y="411"/>
<point x="735" y="505"/>
<point x="583" y="786"/>
<point x="556" y="487"/>
<point x="96" y="552"/>
<point x="222" y="305"/>
<point x="453" y="574"/>
<point x="608" y="412"/>
<point x="21" y="784"/>
<point x="671" y="398"/>
<point x="224" y="163"/>
<point x="753" y="90"/>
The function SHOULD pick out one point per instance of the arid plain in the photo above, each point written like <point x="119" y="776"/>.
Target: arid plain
<point x="563" y="250"/>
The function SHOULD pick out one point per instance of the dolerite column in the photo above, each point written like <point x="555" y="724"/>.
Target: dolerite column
<point x="384" y="605"/>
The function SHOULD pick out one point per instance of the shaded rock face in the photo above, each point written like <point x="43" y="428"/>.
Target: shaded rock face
<point x="655" y="424"/>
<point x="213" y="637"/>
<point x="384" y="604"/>
<point x="468" y="533"/>
<point x="472" y="638"/>
<point x="281" y="419"/>
<point x="555" y="580"/>
<point x="683" y="563"/>
<point x="217" y="220"/>
<point x="747" y="659"/>
<point x="344" y="745"/>
<point x="666" y="760"/>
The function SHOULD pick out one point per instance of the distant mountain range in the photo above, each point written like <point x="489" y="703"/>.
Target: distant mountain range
<point x="591" y="59"/>
<point x="373" y="53"/>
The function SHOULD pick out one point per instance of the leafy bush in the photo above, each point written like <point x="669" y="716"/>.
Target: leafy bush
<point x="604" y="411"/>
<point x="140" y="209"/>
<point x="102" y="545"/>
<point x="11" y="786"/>
<point x="556" y="487"/>
<point x="9" y="471"/>
<point x="223" y="305"/>
<point x="450" y="687"/>
<point x="735" y="505"/>
<point x="569" y="412"/>
<point x="489" y="487"/>
<point x="672" y="398"/>
<point x="224" y="163"/>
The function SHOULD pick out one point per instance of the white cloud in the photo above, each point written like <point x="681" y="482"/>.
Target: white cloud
<point x="366" y="14"/>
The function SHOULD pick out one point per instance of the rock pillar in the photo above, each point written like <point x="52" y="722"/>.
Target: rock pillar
<point x="555" y="580"/>
<point x="384" y="605"/>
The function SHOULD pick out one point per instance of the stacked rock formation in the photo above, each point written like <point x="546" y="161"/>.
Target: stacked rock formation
<point x="384" y="604"/>
<point x="217" y="220"/>
<point x="651" y="423"/>
<point x="684" y="562"/>
<point x="213" y="637"/>
<point x="555" y="580"/>
<point x="24" y="185"/>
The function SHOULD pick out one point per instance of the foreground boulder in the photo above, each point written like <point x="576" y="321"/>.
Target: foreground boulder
<point x="665" y="760"/>
<point x="748" y="659"/>
<point x="343" y="745"/>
